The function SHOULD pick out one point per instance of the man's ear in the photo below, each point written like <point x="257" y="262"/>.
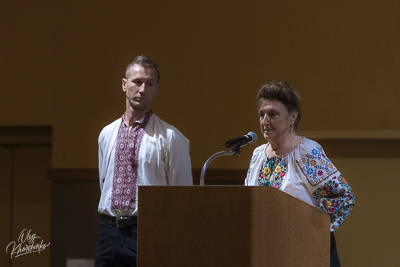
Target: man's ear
<point x="124" y="82"/>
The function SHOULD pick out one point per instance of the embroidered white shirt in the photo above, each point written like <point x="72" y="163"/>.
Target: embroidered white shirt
<point x="164" y="159"/>
<point x="307" y="174"/>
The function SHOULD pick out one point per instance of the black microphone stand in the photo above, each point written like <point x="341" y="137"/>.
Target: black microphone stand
<point x="233" y="152"/>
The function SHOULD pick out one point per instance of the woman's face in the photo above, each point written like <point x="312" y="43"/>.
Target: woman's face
<point x="275" y="119"/>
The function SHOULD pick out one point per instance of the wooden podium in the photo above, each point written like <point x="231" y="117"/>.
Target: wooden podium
<point x="229" y="226"/>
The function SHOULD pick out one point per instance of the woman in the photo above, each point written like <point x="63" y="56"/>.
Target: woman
<point x="295" y="164"/>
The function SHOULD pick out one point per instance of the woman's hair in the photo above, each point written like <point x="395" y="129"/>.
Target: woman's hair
<point x="282" y="92"/>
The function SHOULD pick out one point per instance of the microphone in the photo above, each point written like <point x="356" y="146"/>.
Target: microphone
<point x="242" y="140"/>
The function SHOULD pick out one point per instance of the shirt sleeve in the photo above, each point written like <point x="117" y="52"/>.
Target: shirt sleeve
<point x="254" y="166"/>
<point x="178" y="162"/>
<point x="327" y="185"/>
<point x="100" y="159"/>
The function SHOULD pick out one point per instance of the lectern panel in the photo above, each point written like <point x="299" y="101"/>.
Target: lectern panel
<point x="229" y="226"/>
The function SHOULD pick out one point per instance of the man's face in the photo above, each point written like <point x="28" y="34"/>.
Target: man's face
<point x="140" y="87"/>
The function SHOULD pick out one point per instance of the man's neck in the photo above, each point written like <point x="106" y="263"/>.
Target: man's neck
<point x="132" y="115"/>
<point x="131" y="118"/>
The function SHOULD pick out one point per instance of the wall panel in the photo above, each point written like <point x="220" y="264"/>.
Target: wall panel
<point x="6" y="194"/>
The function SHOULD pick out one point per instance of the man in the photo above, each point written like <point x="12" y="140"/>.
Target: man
<point x="137" y="149"/>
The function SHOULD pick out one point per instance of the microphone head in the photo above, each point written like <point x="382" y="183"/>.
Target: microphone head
<point x="242" y="140"/>
<point x="253" y="137"/>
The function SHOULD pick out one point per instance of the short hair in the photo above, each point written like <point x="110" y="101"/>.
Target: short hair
<point x="144" y="62"/>
<point x="282" y="92"/>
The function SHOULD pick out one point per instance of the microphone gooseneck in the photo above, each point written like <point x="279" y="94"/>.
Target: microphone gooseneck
<point x="237" y="143"/>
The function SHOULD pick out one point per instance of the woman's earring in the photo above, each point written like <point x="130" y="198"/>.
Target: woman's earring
<point x="290" y="128"/>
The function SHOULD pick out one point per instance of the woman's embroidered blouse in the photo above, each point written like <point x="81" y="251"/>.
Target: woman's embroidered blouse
<point x="306" y="173"/>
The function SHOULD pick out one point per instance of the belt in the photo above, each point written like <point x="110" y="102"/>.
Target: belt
<point x="119" y="221"/>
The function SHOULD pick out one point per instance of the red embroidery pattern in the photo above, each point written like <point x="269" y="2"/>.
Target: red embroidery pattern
<point x="126" y="165"/>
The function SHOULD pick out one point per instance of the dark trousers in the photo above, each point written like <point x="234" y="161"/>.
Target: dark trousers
<point x="116" y="246"/>
<point x="334" y="255"/>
